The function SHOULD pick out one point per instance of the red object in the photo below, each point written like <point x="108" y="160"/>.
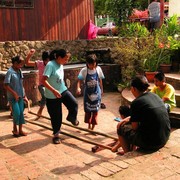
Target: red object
<point x="92" y="30"/>
<point x="161" y="12"/>
<point x="139" y="14"/>
<point x="108" y="29"/>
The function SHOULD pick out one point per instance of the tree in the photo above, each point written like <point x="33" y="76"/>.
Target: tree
<point x="99" y="7"/>
<point x="120" y="10"/>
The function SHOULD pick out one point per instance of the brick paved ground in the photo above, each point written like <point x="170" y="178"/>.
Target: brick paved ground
<point x="35" y="157"/>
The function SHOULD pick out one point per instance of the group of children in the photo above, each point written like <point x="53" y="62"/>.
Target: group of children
<point x="54" y="91"/>
<point x="163" y="90"/>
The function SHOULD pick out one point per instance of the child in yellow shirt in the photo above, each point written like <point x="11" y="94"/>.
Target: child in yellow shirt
<point x="164" y="90"/>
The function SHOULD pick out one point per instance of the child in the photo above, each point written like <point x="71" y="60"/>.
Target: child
<point x="92" y="76"/>
<point x="164" y="90"/>
<point x="15" y="93"/>
<point x="40" y="65"/>
<point x="57" y="93"/>
<point x="124" y="112"/>
<point x="26" y="101"/>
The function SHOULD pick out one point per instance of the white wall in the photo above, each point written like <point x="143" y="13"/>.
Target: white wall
<point x="174" y="7"/>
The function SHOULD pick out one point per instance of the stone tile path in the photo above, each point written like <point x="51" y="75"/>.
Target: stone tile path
<point x="35" y="157"/>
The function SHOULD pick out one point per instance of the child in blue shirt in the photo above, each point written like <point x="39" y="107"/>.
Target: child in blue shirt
<point x="13" y="83"/>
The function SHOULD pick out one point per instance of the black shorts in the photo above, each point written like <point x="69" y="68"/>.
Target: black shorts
<point x="127" y="132"/>
<point x="134" y="138"/>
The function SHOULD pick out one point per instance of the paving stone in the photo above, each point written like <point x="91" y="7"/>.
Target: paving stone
<point x="78" y="176"/>
<point x="90" y="174"/>
<point x="110" y="166"/>
<point x="36" y="157"/>
<point x="104" y="172"/>
<point x="120" y="163"/>
<point x="163" y="174"/>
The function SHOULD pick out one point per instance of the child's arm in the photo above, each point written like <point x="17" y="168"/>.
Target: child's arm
<point x="124" y="121"/>
<point x="101" y="85"/>
<point x="8" y="88"/>
<point x="28" y="103"/>
<point x="28" y="62"/>
<point x="78" y="90"/>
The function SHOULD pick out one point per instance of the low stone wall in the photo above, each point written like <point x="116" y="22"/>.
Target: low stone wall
<point x="30" y="82"/>
<point x="112" y="74"/>
<point x="105" y="48"/>
<point x="78" y="49"/>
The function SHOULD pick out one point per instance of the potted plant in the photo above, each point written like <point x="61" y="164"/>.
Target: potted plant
<point x="167" y="40"/>
<point x="149" y="55"/>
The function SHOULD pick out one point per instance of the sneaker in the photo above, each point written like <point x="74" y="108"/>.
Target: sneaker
<point x="75" y="123"/>
<point x="56" y="140"/>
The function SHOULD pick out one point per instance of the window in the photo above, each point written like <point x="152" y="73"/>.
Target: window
<point x="16" y="3"/>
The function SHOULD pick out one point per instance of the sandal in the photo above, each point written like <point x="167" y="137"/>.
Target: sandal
<point x="56" y="140"/>
<point x="15" y="133"/>
<point x="103" y="106"/>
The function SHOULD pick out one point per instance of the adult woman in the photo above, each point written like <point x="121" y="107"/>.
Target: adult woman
<point x="56" y="93"/>
<point x="150" y="124"/>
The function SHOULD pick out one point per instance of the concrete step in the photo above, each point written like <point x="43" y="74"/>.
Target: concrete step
<point x="173" y="79"/>
<point x="127" y="98"/>
<point x="177" y="94"/>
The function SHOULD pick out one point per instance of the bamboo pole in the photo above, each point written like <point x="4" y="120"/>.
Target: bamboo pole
<point x="71" y="135"/>
<point x="80" y="128"/>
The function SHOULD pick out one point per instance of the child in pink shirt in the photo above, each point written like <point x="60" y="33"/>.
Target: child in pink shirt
<point x="40" y="65"/>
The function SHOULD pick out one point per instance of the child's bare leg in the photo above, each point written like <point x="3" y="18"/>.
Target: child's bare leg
<point x="15" y="130"/>
<point x="116" y="146"/>
<point x="89" y="126"/>
<point x="21" y="132"/>
<point x="39" y="113"/>
<point x="93" y="126"/>
<point x="29" y="105"/>
<point x="124" y="143"/>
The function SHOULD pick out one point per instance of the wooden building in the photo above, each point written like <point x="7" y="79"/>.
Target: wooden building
<point x="45" y="19"/>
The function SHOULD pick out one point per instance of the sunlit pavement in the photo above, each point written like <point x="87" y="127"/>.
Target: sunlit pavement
<point x="36" y="157"/>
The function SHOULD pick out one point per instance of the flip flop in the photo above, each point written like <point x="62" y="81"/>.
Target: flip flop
<point x="121" y="153"/>
<point x="117" y="119"/>
<point x="103" y="106"/>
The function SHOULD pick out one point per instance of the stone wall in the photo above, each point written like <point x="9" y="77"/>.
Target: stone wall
<point x="112" y="74"/>
<point x="78" y="49"/>
<point x="105" y="48"/>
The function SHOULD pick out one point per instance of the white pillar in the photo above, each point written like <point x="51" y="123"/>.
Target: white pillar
<point x="174" y="7"/>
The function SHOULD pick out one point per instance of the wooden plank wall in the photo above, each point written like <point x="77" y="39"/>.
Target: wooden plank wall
<point x="48" y="20"/>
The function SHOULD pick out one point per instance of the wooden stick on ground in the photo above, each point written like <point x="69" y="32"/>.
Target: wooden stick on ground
<point x="80" y="128"/>
<point x="71" y="135"/>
